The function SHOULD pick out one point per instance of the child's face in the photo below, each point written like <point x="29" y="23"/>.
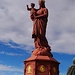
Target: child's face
<point x="32" y="5"/>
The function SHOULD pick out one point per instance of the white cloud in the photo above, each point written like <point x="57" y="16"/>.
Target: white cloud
<point x="16" y="25"/>
<point x="12" y="21"/>
<point x="63" y="73"/>
<point x="11" y="54"/>
<point x="9" y="68"/>
<point x="61" y="24"/>
<point x="10" y="73"/>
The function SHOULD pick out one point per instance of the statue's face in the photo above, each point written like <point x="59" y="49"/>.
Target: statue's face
<point x="39" y="2"/>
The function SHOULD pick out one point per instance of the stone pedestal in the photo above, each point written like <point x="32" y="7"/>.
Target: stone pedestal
<point x="41" y="65"/>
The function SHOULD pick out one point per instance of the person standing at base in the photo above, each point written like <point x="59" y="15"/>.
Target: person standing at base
<point x="71" y="69"/>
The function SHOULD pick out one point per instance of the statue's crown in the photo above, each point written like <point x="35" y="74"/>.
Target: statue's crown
<point x="42" y="0"/>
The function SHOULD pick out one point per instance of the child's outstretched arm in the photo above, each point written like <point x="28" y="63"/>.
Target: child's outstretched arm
<point x="28" y="8"/>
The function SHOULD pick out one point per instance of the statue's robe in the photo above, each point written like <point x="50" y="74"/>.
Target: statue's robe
<point x="71" y="70"/>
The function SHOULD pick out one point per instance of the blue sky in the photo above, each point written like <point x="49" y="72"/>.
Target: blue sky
<point x="16" y="43"/>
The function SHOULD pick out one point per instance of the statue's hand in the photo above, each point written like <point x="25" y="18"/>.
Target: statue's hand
<point x="35" y="17"/>
<point x="32" y="17"/>
<point x="27" y="6"/>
